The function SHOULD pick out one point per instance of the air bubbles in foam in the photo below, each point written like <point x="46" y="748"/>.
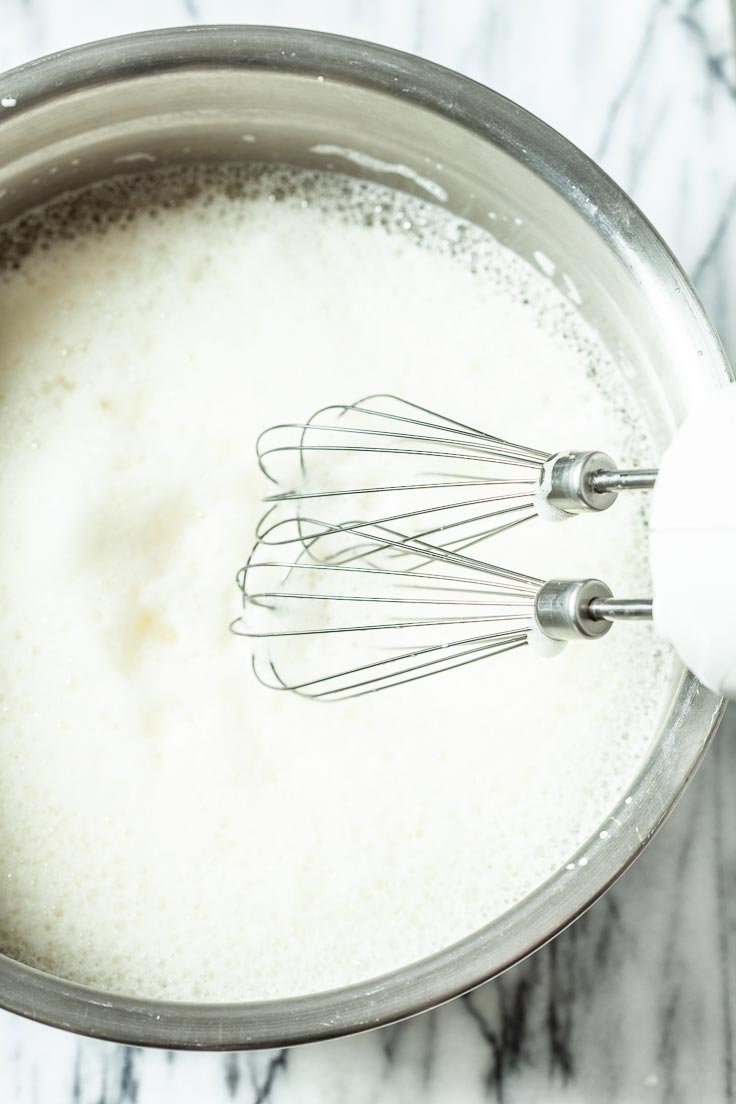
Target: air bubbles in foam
<point x="95" y="209"/>
<point x="118" y="938"/>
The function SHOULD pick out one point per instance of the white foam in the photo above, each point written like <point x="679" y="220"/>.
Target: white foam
<point x="543" y="645"/>
<point x="546" y="509"/>
<point x="168" y="827"/>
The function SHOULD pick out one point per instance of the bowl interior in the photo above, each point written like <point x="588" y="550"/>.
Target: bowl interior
<point x="236" y="94"/>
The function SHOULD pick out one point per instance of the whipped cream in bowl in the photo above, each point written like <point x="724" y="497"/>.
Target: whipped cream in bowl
<point x="181" y="847"/>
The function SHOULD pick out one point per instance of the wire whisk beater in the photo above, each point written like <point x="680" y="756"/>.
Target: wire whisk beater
<point x="429" y="476"/>
<point x="332" y="619"/>
<point x="365" y="548"/>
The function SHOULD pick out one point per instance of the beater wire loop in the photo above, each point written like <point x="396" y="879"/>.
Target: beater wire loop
<point x="448" y="481"/>
<point x="358" y="610"/>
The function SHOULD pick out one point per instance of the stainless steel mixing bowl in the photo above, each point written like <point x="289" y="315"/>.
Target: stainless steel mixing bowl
<point x="311" y="99"/>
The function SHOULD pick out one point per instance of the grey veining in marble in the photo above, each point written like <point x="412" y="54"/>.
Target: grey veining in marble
<point x="635" y="1003"/>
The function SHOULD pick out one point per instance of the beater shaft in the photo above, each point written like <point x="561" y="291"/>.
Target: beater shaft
<point x="583" y="609"/>
<point x="626" y="479"/>
<point x="621" y="609"/>
<point x="575" y="482"/>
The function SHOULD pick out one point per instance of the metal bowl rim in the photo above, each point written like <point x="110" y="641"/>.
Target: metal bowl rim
<point x="485" y="953"/>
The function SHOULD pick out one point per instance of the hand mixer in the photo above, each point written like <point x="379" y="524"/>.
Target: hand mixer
<point x="387" y="560"/>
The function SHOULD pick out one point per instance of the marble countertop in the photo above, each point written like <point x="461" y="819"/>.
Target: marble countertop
<point x="636" y="1002"/>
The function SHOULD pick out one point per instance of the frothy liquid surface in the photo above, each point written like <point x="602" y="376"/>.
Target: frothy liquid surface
<point x="168" y="827"/>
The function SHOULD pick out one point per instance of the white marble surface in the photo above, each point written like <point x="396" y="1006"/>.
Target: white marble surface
<point x="637" y="1001"/>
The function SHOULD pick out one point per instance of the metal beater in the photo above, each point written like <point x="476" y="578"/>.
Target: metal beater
<point x="401" y="572"/>
<point x="450" y="482"/>
<point x="309" y="578"/>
